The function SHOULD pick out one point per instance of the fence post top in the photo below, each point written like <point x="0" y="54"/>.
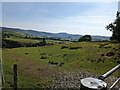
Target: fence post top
<point x="93" y="83"/>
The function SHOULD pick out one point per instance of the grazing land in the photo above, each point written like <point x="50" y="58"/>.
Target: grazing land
<point x="23" y="40"/>
<point x="39" y="67"/>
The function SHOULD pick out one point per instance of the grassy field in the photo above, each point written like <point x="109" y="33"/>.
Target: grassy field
<point x="0" y="52"/>
<point x="23" y="40"/>
<point x="36" y="65"/>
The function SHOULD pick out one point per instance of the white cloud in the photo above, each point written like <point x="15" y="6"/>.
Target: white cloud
<point x="83" y="25"/>
<point x="92" y="22"/>
<point x="103" y="9"/>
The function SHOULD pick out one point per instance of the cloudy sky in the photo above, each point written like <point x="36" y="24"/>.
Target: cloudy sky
<point x="71" y="17"/>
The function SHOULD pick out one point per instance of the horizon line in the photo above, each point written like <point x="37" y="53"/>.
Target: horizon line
<point x="52" y="32"/>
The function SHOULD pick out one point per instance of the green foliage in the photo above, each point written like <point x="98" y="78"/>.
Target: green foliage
<point x="85" y="38"/>
<point x="10" y="44"/>
<point x="44" y="42"/>
<point x="115" y="28"/>
<point x="6" y="43"/>
<point x="14" y="39"/>
<point x="10" y="34"/>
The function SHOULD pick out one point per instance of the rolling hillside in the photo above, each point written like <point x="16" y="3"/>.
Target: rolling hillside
<point x="61" y="35"/>
<point x="58" y="65"/>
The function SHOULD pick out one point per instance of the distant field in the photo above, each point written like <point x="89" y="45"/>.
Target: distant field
<point x="0" y="52"/>
<point x="36" y="65"/>
<point x="22" y="40"/>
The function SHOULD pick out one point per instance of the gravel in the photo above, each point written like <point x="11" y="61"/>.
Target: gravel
<point x="71" y="80"/>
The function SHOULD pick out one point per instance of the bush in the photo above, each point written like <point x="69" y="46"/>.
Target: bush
<point x="15" y="44"/>
<point x="75" y="47"/>
<point x="43" y="57"/>
<point x="11" y="44"/>
<point x="85" y="38"/>
<point x="64" y="47"/>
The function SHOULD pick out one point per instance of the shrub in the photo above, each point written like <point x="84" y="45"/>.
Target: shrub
<point x="43" y="57"/>
<point x="64" y="47"/>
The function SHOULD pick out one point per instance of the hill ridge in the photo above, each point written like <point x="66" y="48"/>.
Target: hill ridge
<point x="61" y="35"/>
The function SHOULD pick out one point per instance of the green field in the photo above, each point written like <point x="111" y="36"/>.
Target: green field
<point x="0" y="53"/>
<point x="35" y="69"/>
<point x="22" y="40"/>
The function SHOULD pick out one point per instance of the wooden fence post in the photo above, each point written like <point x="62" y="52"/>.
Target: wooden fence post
<point x="15" y="76"/>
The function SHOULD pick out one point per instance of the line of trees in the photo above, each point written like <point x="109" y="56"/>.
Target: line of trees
<point x="14" y="44"/>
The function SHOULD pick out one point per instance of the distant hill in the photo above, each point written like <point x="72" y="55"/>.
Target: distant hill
<point x="63" y="36"/>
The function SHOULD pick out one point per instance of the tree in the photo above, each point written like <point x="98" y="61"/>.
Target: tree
<point x="44" y="41"/>
<point x="85" y="38"/>
<point x="115" y="28"/>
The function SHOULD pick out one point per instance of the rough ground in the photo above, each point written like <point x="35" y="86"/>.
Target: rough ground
<point x="72" y="80"/>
